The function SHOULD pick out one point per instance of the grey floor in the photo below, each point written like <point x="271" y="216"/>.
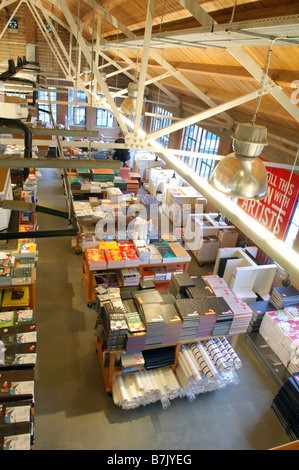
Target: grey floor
<point x="73" y="411"/>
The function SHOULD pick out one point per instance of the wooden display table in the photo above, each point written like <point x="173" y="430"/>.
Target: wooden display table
<point x="111" y="370"/>
<point x="90" y="283"/>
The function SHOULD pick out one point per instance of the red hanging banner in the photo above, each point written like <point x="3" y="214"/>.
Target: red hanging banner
<point x="279" y="203"/>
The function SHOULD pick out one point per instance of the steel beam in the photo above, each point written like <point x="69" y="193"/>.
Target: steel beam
<point x="206" y="114"/>
<point x="144" y="62"/>
<point x="90" y="61"/>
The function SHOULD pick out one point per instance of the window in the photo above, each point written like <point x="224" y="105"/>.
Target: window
<point x="42" y="115"/>
<point x="197" y="139"/>
<point x="13" y="24"/>
<point x="158" y="122"/>
<point x="293" y="226"/>
<point x="104" y="118"/>
<point x="77" y="114"/>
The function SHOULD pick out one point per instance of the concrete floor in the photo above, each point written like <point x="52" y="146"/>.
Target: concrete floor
<point x="73" y="411"/>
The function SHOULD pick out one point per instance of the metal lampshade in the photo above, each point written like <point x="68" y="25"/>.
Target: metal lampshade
<point x="242" y="174"/>
<point x="128" y="106"/>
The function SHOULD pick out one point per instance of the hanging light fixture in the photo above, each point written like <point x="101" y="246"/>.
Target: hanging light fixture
<point x="128" y="106"/>
<point x="242" y="174"/>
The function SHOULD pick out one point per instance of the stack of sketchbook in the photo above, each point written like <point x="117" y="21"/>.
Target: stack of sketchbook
<point x="200" y="289"/>
<point x="173" y="324"/>
<point x="188" y="311"/>
<point x="180" y="282"/>
<point x="152" y="316"/>
<point x="224" y="316"/>
<point x="286" y="406"/>
<point x="282" y="297"/>
<point x="242" y="313"/>
<point x="259" y="308"/>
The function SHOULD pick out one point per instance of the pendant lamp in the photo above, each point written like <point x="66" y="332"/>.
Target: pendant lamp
<point x="242" y="174"/>
<point x="128" y="106"/>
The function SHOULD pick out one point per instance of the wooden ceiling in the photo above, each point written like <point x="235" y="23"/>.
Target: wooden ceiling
<point x="198" y="39"/>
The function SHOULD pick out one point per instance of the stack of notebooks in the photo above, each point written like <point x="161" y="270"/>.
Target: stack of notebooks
<point x="286" y="406"/>
<point x="200" y="289"/>
<point x="130" y="276"/>
<point x="102" y="175"/>
<point x="242" y="313"/>
<point x="259" y="308"/>
<point x="208" y="318"/>
<point x="115" y="327"/>
<point x="188" y="311"/>
<point x="159" y="357"/>
<point x="147" y="296"/>
<point x="224" y="316"/>
<point x="180" y="282"/>
<point x="282" y="297"/>
<point x="95" y="259"/>
<point x="152" y="317"/>
<point x="16" y="425"/>
<point x="214" y="281"/>
<point x="132" y="362"/>
<point x="173" y="324"/>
